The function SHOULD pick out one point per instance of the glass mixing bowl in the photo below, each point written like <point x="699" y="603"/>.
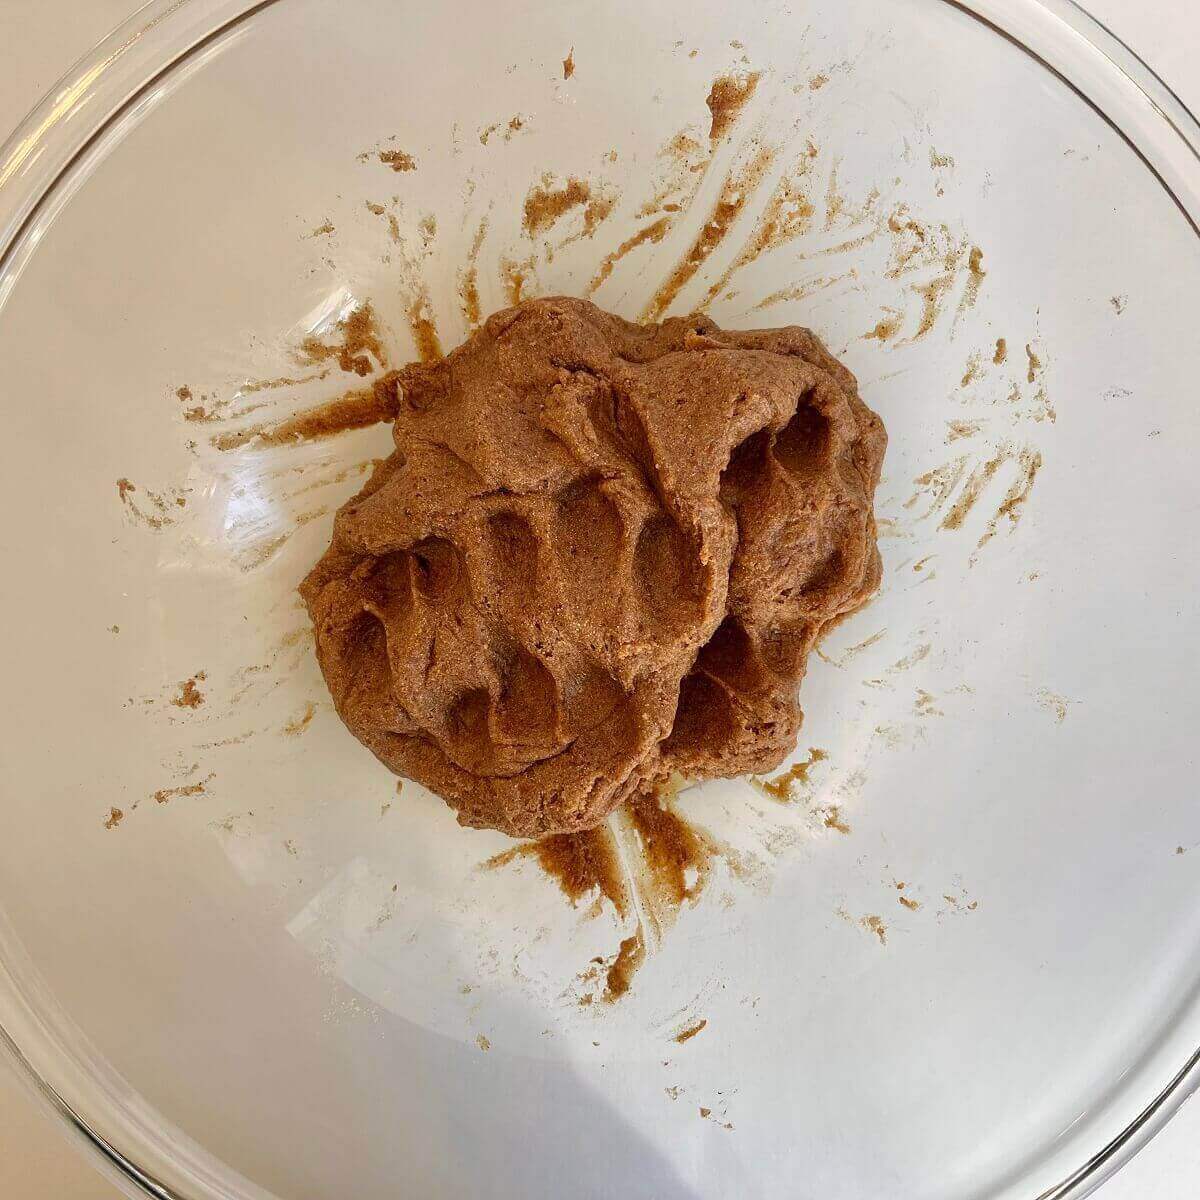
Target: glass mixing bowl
<point x="241" y="965"/>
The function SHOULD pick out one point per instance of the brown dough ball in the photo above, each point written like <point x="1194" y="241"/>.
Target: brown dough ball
<point x="599" y="554"/>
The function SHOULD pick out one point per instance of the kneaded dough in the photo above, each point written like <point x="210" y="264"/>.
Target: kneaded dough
<point x="599" y="554"/>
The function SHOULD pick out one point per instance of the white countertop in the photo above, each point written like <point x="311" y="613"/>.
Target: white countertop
<point x="39" y="39"/>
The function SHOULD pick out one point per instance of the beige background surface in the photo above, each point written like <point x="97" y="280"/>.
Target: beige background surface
<point x="39" y="39"/>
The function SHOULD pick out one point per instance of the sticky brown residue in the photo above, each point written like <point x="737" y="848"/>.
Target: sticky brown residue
<point x="932" y="295"/>
<point x="691" y="1031"/>
<point x="114" y="818"/>
<point x="804" y="291"/>
<point x="1029" y="463"/>
<point x="978" y="479"/>
<point x="190" y="695"/>
<point x="653" y="234"/>
<point x="1001" y="351"/>
<point x="419" y="313"/>
<point x="818" y="81"/>
<point x="629" y="958"/>
<point x="297" y="725"/>
<point x="569" y="64"/>
<point x="940" y="161"/>
<point x="483" y="1042"/>
<point x="359" y="338"/>
<point x="910" y="904"/>
<point x="974" y="364"/>
<point x="515" y="278"/>
<point x="961" y="429"/>
<point x="398" y="160"/>
<point x="887" y="327"/>
<point x="727" y="97"/>
<point x="163" y="795"/>
<point x="787" y="215"/>
<point x="279" y="381"/>
<point x="783" y="787"/>
<point x="975" y="277"/>
<point x="735" y="193"/>
<point x="875" y="925"/>
<point x="321" y="230"/>
<point x="671" y="850"/>
<point x="833" y="819"/>
<point x="468" y="284"/>
<point x="546" y="202"/>
<point x="1035" y="363"/>
<point x="355" y="410"/>
<point x="580" y="863"/>
<point x="124" y="487"/>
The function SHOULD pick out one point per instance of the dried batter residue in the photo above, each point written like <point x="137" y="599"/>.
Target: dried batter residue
<point x="887" y="327"/>
<point x="124" y="487"/>
<point x="629" y="958"/>
<point x="690" y="1032"/>
<point x="1053" y="702"/>
<point x="833" y="819"/>
<point x="961" y="429"/>
<point x="787" y="215"/>
<point x="875" y="925"/>
<point x="672" y="851"/>
<point x="421" y="322"/>
<point x="515" y="278"/>
<point x="325" y="227"/>
<point x="468" y="284"/>
<point x="569" y="64"/>
<point x="735" y="192"/>
<point x="261" y="385"/>
<point x="483" y="1042"/>
<point x="1035" y="363"/>
<point x="359" y="338"/>
<point x="974" y="365"/>
<point x="190" y="695"/>
<point x="727" y="97"/>
<point x="804" y="291"/>
<point x="1029" y="463"/>
<point x="911" y="905"/>
<point x="355" y="410"/>
<point x="114" y="818"/>
<point x="979" y="478"/>
<point x="653" y="234"/>
<point x="783" y="787"/>
<point x="163" y="795"/>
<point x="580" y="863"/>
<point x="1001" y="351"/>
<point x="398" y="160"/>
<point x="546" y="202"/>
<point x="298" y="725"/>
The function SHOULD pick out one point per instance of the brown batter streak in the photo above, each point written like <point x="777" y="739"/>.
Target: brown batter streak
<point x="735" y="193"/>
<point x="783" y="787"/>
<point x="671" y="848"/>
<point x="580" y="863"/>
<point x="726" y="99"/>
<point x="359" y="338"/>
<point x="788" y="215"/>
<point x="398" y="160"/>
<point x="652" y="233"/>
<point x="354" y="410"/>
<point x="468" y="287"/>
<point x="629" y="958"/>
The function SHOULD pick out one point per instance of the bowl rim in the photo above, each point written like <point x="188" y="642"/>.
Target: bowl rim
<point x="111" y="80"/>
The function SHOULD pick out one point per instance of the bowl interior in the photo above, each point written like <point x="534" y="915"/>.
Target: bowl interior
<point x="319" y="980"/>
